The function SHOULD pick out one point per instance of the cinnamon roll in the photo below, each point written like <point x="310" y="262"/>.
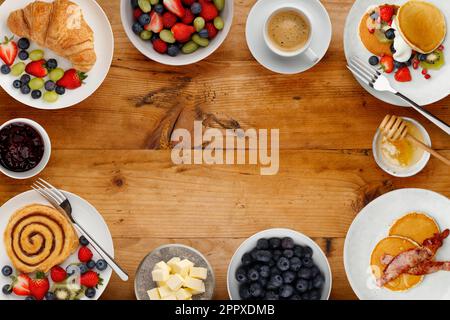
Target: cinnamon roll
<point x="39" y="237"/>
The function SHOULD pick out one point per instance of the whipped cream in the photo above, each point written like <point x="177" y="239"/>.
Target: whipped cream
<point x="402" y="50"/>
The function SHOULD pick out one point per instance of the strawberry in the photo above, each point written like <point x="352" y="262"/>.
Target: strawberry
<point x="212" y="31"/>
<point x="169" y="19"/>
<point x="209" y="10"/>
<point x="85" y="254"/>
<point x="188" y="17"/>
<point x="182" y="32"/>
<point x="39" y="286"/>
<point x="72" y="79"/>
<point x="58" y="274"/>
<point x="386" y="13"/>
<point x="21" y="285"/>
<point x="159" y="46"/>
<point x="403" y="75"/>
<point x="175" y="7"/>
<point x="387" y="64"/>
<point x="37" y="68"/>
<point x="8" y="51"/>
<point x="137" y="13"/>
<point x="91" y="279"/>
<point x="156" y="23"/>
<point x="187" y="3"/>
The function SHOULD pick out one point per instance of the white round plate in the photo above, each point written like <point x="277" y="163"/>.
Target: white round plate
<point x="420" y="90"/>
<point x="254" y="32"/>
<point x="83" y="211"/>
<point x="146" y="48"/>
<point x="372" y="225"/>
<point x="104" y="48"/>
<point x="319" y="258"/>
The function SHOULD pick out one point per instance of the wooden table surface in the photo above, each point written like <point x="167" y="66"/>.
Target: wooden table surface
<point x="104" y="151"/>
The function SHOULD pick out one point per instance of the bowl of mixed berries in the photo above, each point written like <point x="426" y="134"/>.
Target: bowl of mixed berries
<point x="177" y="32"/>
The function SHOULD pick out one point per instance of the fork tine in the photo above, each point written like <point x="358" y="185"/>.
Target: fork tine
<point x="48" y="191"/>
<point x="357" y="65"/>
<point x="359" y="76"/>
<point x="52" y="189"/>
<point x="46" y="195"/>
<point x="366" y="67"/>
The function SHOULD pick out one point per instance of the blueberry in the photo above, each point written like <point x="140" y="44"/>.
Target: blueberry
<point x="137" y="28"/>
<point x="253" y="275"/>
<point x="275" y="271"/>
<point x="50" y="296"/>
<point x="374" y="16"/>
<point x="83" y="241"/>
<point x="203" y="33"/>
<point x="305" y="296"/>
<point x="61" y="90"/>
<point x="276" y="255"/>
<point x="296" y="264"/>
<point x="134" y="4"/>
<point x="288" y="253"/>
<point x="247" y="259"/>
<point x="271" y="263"/>
<point x="255" y="290"/>
<point x="159" y="8"/>
<point x="318" y="282"/>
<point x="173" y="50"/>
<point x="393" y="49"/>
<point x="399" y="65"/>
<point x="23" y="43"/>
<point x="283" y="264"/>
<point x="315" y="271"/>
<point x="263" y="282"/>
<point x="275" y="243"/>
<point x="241" y="275"/>
<point x="286" y="291"/>
<point x="5" y="69"/>
<point x="36" y="94"/>
<point x="50" y="85"/>
<point x="288" y="277"/>
<point x="25" y="89"/>
<point x="307" y="252"/>
<point x="101" y="265"/>
<point x="17" y="84"/>
<point x="144" y="19"/>
<point x="196" y="8"/>
<point x="296" y="297"/>
<point x="275" y="282"/>
<point x="263" y="256"/>
<point x="287" y="243"/>
<point x="307" y="262"/>
<point x="7" y="289"/>
<point x="390" y="34"/>
<point x="83" y="268"/>
<point x="52" y="64"/>
<point x="264" y="271"/>
<point x="298" y="251"/>
<point x="244" y="292"/>
<point x="90" y="264"/>
<point x="30" y="298"/>
<point x="315" y="295"/>
<point x="7" y="271"/>
<point x="262" y="244"/>
<point x="422" y="57"/>
<point x="25" y="78"/>
<point x="155" y="36"/>
<point x="90" y="293"/>
<point x="302" y="285"/>
<point x="271" y="295"/>
<point x="305" y="273"/>
<point x="23" y="55"/>
<point x="374" y="60"/>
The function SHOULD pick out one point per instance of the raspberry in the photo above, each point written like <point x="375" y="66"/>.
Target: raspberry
<point x="160" y="46"/>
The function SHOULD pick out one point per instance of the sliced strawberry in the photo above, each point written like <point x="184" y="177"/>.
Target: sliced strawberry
<point x="403" y="75"/>
<point x="387" y="64"/>
<point x="386" y="13"/>
<point x="169" y="19"/>
<point x="188" y="17"/>
<point x="159" y="46"/>
<point x="72" y="79"/>
<point x="90" y="279"/>
<point x="209" y="10"/>
<point x="58" y="274"/>
<point x="175" y="7"/>
<point x="8" y="51"/>
<point x="85" y="254"/>
<point x="21" y="285"/>
<point x="182" y="32"/>
<point x="37" y="68"/>
<point x="156" y="23"/>
<point x="39" y="286"/>
<point x="212" y="31"/>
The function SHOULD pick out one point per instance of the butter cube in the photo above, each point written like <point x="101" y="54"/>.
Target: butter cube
<point x="173" y="261"/>
<point x="154" y="294"/>
<point x="195" y="292"/>
<point x="198" y="273"/>
<point x="175" y="282"/>
<point x="182" y="267"/>
<point x="160" y="275"/>
<point x="183" y="294"/>
<point x="162" y="266"/>
<point x="170" y="297"/>
<point x="194" y="284"/>
<point x="164" y="292"/>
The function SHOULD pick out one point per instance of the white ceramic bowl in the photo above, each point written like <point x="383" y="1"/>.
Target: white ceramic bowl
<point x="145" y="47"/>
<point x="318" y="256"/>
<point x="45" y="158"/>
<point x="398" y="171"/>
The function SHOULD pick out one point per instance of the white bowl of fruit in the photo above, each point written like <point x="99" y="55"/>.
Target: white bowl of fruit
<point x="177" y="32"/>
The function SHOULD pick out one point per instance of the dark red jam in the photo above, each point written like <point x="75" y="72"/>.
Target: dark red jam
<point x="21" y="147"/>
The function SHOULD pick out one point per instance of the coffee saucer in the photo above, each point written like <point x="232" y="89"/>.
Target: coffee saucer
<point x="321" y="35"/>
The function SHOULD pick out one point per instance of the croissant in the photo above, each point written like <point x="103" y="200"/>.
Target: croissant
<point x="59" y="26"/>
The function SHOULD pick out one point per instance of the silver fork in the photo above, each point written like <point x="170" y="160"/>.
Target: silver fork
<point x="379" y="82"/>
<point x="62" y="204"/>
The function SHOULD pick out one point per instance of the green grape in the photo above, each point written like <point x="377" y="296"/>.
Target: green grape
<point x="36" y="84"/>
<point x="36" y="55"/>
<point x="50" y="96"/>
<point x="56" y="74"/>
<point x="18" y="69"/>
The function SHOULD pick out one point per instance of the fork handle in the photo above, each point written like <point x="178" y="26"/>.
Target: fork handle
<point x="441" y="124"/>
<point x="117" y="269"/>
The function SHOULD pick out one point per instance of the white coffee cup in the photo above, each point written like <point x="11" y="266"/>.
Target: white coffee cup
<point x="306" y="49"/>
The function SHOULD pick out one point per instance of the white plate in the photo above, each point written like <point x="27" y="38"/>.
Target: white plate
<point x="419" y="89"/>
<point x="145" y="47"/>
<point x="319" y="258"/>
<point x="104" y="48"/>
<point x="85" y="213"/>
<point x="254" y="32"/>
<point x="372" y="225"/>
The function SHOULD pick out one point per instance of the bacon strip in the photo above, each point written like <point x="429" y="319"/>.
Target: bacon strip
<point x="430" y="267"/>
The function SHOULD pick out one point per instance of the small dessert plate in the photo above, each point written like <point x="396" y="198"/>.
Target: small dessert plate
<point x="420" y="90"/>
<point x="320" y="27"/>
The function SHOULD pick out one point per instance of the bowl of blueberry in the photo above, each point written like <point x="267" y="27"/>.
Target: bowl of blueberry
<point x="279" y="264"/>
<point x="177" y="32"/>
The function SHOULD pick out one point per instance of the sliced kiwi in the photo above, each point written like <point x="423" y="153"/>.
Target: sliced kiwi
<point x="434" y="60"/>
<point x="62" y="293"/>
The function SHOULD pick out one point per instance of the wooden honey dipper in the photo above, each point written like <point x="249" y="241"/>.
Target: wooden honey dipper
<point x="395" y="128"/>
